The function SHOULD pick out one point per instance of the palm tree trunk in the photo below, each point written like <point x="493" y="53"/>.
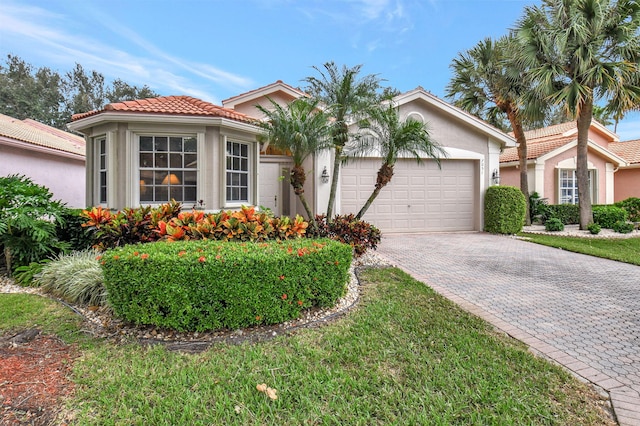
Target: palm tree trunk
<point x="385" y="173"/>
<point x="582" y="166"/>
<point x="366" y="205"/>
<point x="518" y="132"/>
<point x="298" y="178"/>
<point x="334" y="180"/>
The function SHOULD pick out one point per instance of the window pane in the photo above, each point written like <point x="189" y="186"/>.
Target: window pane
<point x="162" y="193"/>
<point x="175" y="144"/>
<point x="190" y="145"/>
<point x="243" y="150"/>
<point x="160" y="143"/>
<point x="190" y="178"/>
<point x="146" y="143"/>
<point x="236" y="149"/>
<point x="146" y="160"/>
<point x="228" y="193"/>
<point x="236" y="164"/>
<point x="176" y="193"/>
<point x="190" y="161"/>
<point x="176" y="161"/>
<point x="189" y="193"/>
<point x="103" y="178"/>
<point x="243" y="194"/>
<point x="103" y="194"/>
<point x="243" y="179"/>
<point x="244" y="165"/>
<point x="103" y="162"/>
<point x="146" y="193"/>
<point x="161" y="161"/>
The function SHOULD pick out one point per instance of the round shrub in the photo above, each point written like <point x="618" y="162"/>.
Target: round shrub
<point x="594" y="228"/>
<point x="554" y="225"/>
<point x="360" y="235"/>
<point x="208" y="285"/>
<point x="623" y="227"/>
<point x="607" y="216"/>
<point x="632" y="206"/>
<point x="504" y="210"/>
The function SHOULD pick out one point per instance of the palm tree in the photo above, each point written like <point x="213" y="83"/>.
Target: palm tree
<point x="488" y="84"/>
<point x="580" y="52"/>
<point x="347" y="97"/>
<point x="394" y="138"/>
<point x="302" y="129"/>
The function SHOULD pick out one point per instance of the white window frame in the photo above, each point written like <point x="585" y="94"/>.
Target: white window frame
<point x="574" y="180"/>
<point x="170" y="170"/>
<point x="100" y="170"/>
<point x="249" y="173"/>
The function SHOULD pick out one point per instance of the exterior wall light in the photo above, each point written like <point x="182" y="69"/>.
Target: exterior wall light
<point x="324" y="177"/>
<point x="495" y="177"/>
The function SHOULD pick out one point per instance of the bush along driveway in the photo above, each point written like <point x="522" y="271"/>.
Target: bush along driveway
<point x="580" y="311"/>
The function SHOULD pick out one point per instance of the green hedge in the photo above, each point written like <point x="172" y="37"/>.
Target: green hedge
<point x="208" y="285"/>
<point x="607" y="215"/>
<point x="504" y="210"/>
<point x="569" y="214"/>
<point x="632" y="206"/>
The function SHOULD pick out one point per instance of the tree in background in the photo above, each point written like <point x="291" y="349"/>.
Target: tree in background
<point x="346" y="97"/>
<point x="579" y="52"/>
<point x="392" y="139"/>
<point x="301" y="128"/>
<point x="50" y="98"/>
<point x="488" y="83"/>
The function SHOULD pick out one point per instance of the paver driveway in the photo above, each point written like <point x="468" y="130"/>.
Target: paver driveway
<point x="581" y="311"/>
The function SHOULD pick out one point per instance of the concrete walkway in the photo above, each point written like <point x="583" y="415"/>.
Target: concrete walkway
<point x="583" y="312"/>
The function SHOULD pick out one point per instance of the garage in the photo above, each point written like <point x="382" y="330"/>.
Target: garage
<point x="420" y="197"/>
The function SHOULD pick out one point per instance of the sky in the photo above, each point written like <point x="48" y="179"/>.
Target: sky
<point x="216" y="49"/>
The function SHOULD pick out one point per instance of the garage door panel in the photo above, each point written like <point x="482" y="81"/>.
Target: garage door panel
<point x="418" y="198"/>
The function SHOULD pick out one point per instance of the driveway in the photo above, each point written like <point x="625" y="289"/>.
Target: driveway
<point x="581" y="311"/>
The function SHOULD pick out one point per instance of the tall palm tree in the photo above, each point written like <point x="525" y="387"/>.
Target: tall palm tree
<point x="301" y="128"/>
<point x="348" y="97"/>
<point x="488" y="84"/>
<point x="580" y="52"/>
<point x="394" y="138"/>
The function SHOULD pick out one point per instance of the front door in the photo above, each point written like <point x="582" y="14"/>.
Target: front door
<point x="270" y="187"/>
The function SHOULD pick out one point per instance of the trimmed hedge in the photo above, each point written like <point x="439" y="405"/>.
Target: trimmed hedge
<point x="569" y="214"/>
<point x="504" y="210"/>
<point x="607" y="215"/>
<point x="632" y="206"/>
<point x="209" y="285"/>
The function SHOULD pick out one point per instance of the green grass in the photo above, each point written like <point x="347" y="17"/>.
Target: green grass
<point x="622" y="249"/>
<point x="405" y="355"/>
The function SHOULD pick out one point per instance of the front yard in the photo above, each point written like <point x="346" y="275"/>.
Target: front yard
<point x="405" y="355"/>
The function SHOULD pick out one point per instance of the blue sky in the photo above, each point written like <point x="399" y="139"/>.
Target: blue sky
<point x="215" y="49"/>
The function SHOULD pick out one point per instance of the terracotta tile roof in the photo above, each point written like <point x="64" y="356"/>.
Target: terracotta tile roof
<point x="555" y="130"/>
<point x="171" y="105"/>
<point x="629" y="150"/>
<point x="260" y="89"/>
<point x="39" y="134"/>
<point x="536" y="148"/>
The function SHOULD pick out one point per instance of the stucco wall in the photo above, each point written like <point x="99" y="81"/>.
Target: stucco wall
<point x="627" y="184"/>
<point x="65" y="177"/>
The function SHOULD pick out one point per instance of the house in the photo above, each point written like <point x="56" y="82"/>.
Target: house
<point x="149" y="151"/>
<point x="48" y="156"/>
<point x="627" y="178"/>
<point x="551" y="163"/>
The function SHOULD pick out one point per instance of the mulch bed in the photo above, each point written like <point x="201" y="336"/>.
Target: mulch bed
<point x="33" y="378"/>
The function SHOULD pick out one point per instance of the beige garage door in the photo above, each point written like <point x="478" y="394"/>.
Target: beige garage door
<point x="420" y="197"/>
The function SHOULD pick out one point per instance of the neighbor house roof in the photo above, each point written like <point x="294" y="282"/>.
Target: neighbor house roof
<point x="40" y="135"/>
<point x="536" y="147"/>
<point x="278" y="86"/>
<point x="569" y="128"/>
<point x="170" y="105"/>
<point x="629" y="150"/>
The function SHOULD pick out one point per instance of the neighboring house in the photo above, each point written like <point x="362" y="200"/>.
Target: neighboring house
<point x="48" y="156"/>
<point x="627" y="178"/>
<point x="551" y="163"/>
<point x="152" y="150"/>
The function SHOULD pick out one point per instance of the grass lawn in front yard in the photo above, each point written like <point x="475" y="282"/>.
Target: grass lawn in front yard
<point x="622" y="249"/>
<point x="404" y="355"/>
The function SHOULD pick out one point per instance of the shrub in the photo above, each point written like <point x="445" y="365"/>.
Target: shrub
<point x="207" y="285"/>
<point x="243" y="225"/>
<point x="28" y="218"/>
<point x="607" y="216"/>
<point x="72" y="232"/>
<point x="128" y="226"/>
<point x="623" y="227"/>
<point x="76" y="277"/>
<point x="632" y="206"/>
<point x="504" y="210"/>
<point x="554" y="225"/>
<point x="360" y="235"/>
<point x="23" y="275"/>
<point x="569" y="214"/>
<point x="537" y="207"/>
<point x="594" y="228"/>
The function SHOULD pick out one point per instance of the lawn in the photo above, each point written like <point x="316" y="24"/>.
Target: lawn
<point x="622" y="249"/>
<point x="405" y="355"/>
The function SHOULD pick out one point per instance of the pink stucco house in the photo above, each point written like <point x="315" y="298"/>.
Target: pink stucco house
<point x="551" y="164"/>
<point x="49" y="156"/>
